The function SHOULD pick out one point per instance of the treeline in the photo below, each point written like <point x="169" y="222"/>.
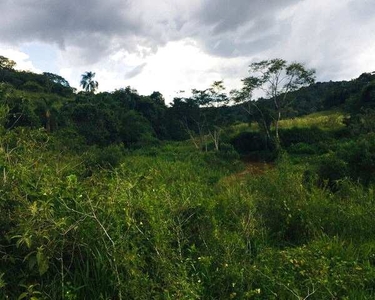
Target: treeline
<point x="123" y="116"/>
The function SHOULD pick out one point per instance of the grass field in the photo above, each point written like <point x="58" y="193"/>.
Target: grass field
<point x="171" y="222"/>
<point x="328" y="120"/>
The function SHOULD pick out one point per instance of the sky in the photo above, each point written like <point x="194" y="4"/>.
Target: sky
<point x="177" y="45"/>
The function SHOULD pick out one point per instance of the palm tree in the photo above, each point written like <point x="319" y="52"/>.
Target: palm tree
<point x="88" y="83"/>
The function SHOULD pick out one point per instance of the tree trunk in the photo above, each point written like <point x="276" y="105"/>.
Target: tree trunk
<point x="189" y="132"/>
<point x="48" y="121"/>
<point x="277" y="124"/>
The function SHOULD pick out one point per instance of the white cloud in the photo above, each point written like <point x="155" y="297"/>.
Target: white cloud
<point x="169" y="45"/>
<point x="328" y="36"/>
<point x="22" y="59"/>
<point x="179" y="65"/>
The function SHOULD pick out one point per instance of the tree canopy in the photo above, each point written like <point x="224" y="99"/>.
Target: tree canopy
<point x="276" y="78"/>
<point x="6" y="63"/>
<point x="88" y="83"/>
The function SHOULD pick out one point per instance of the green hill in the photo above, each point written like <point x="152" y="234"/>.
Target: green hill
<point x="119" y="196"/>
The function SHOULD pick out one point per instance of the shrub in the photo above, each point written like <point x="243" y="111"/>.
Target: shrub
<point x="32" y="86"/>
<point x="227" y="152"/>
<point x="136" y="130"/>
<point x="353" y="159"/>
<point x="4" y="110"/>
<point x="296" y="135"/>
<point x="330" y="170"/>
<point x="341" y="133"/>
<point x="302" y="148"/>
<point x="69" y="138"/>
<point x="107" y="157"/>
<point x="146" y="140"/>
<point x="325" y="269"/>
<point x="247" y="142"/>
<point x="360" y="156"/>
<point x="21" y="113"/>
<point x="362" y="122"/>
<point x="280" y="202"/>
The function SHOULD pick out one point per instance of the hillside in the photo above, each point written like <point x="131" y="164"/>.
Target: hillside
<point x="119" y="196"/>
<point x="47" y="100"/>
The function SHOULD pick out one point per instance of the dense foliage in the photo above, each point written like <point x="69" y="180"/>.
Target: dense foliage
<point x="110" y="196"/>
<point x="172" y="222"/>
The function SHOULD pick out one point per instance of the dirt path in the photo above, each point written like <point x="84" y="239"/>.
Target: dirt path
<point x="252" y="167"/>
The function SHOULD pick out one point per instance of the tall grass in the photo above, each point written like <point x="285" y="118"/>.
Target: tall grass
<point x="328" y="120"/>
<point x="166" y="224"/>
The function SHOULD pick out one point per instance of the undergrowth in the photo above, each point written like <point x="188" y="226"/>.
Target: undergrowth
<point x="163" y="223"/>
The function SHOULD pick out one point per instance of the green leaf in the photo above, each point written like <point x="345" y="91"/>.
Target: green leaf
<point x="2" y="283"/>
<point x="42" y="261"/>
<point x="23" y="295"/>
<point x="32" y="262"/>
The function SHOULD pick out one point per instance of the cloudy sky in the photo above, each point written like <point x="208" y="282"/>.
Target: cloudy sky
<point x="173" y="45"/>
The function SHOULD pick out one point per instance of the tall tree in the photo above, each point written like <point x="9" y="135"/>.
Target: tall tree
<point x="184" y="120"/>
<point x="47" y="109"/>
<point x="277" y="78"/>
<point x="88" y="83"/>
<point x="218" y="99"/>
<point x="57" y="84"/>
<point x="6" y="63"/>
<point x="57" y="79"/>
<point x="212" y="119"/>
<point x="257" y="110"/>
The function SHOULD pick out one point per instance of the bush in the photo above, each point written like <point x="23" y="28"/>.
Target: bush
<point x="362" y="122"/>
<point x="32" y="86"/>
<point x="21" y="113"/>
<point x="280" y="203"/>
<point x="296" y="135"/>
<point x="136" y="130"/>
<point x="69" y="139"/>
<point x="247" y="142"/>
<point x="330" y="170"/>
<point x="329" y="269"/>
<point x="227" y="151"/>
<point x="303" y="148"/>
<point x="146" y="140"/>
<point x="107" y="157"/>
<point x="341" y="133"/>
<point x="353" y="159"/>
<point x="360" y="156"/>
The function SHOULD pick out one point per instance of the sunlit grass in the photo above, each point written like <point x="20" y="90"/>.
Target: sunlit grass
<point x="326" y="120"/>
<point x="330" y="120"/>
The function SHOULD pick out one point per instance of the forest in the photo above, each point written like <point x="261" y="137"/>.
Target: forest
<point x="216" y="195"/>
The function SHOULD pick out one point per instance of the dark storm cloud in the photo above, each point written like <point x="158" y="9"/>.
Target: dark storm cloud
<point x="242" y="27"/>
<point x="228" y="15"/>
<point x="258" y="36"/>
<point x="94" y="28"/>
<point x="57" y="21"/>
<point x="324" y="32"/>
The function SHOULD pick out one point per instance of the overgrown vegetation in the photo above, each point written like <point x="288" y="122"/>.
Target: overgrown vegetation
<point x="118" y="196"/>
